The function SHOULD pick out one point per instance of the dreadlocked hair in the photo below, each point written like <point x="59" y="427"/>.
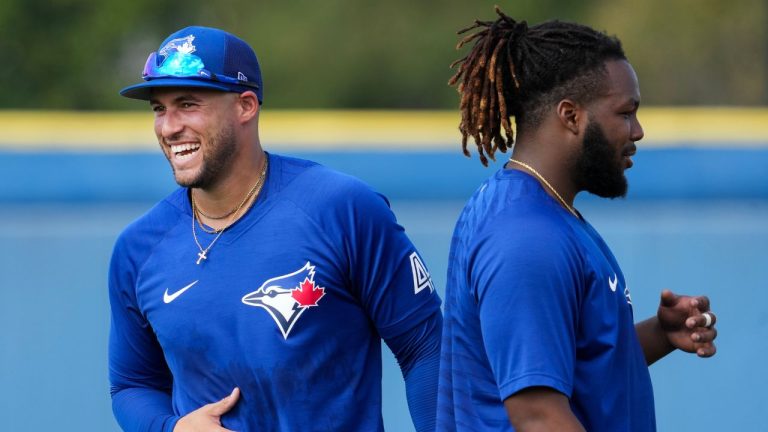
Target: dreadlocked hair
<point x="514" y="70"/>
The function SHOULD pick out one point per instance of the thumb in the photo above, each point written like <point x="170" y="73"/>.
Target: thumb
<point x="221" y="407"/>
<point x="668" y="298"/>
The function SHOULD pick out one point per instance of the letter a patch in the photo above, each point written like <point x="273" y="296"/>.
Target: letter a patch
<point x="421" y="277"/>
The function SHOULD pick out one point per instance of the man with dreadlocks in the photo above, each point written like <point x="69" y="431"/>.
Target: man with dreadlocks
<point x="538" y="328"/>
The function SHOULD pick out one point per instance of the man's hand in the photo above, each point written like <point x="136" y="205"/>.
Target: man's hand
<point x="683" y="320"/>
<point x="207" y="418"/>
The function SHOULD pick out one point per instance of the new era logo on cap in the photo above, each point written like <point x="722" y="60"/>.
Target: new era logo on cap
<point x="200" y="57"/>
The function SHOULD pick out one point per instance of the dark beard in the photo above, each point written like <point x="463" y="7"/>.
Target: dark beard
<point x="217" y="158"/>
<point x="598" y="169"/>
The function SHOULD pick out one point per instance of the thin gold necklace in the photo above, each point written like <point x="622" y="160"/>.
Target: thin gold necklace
<point x="199" y="212"/>
<point x="202" y="255"/>
<point x="549" y="186"/>
<point x="231" y="212"/>
<point x="226" y="215"/>
<point x="196" y="209"/>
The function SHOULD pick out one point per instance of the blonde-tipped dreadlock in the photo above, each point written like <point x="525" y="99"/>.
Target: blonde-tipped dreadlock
<point x="513" y="70"/>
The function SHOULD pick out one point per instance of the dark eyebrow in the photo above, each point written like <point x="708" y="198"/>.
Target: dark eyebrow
<point x="186" y="97"/>
<point x="631" y="102"/>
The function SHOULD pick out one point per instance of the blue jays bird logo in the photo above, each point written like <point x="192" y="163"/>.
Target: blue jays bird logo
<point x="179" y="60"/>
<point x="286" y="297"/>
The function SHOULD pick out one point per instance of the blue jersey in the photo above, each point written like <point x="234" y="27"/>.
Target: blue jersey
<point x="290" y="306"/>
<point x="535" y="297"/>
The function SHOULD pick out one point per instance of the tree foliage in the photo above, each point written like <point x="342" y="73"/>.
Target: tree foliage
<point x="76" y="54"/>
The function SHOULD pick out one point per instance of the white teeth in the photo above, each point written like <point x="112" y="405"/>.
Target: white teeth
<point x="184" y="157"/>
<point x="178" y="148"/>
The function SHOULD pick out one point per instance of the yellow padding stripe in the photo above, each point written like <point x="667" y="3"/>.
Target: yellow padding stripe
<point x="395" y="130"/>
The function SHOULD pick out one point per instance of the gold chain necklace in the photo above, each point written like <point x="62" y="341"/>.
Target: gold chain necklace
<point x="250" y="193"/>
<point x="231" y="212"/>
<point x="228" y="214"/>
<point x="546" y="183"/>
<point x="199" y="212"/>
<point x="202" y="255"/>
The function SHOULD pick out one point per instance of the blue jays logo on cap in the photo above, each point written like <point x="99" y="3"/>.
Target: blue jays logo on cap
<point x="286" y="297"/>
<point x="200" y="57"/>
<point x="179" y="60"/>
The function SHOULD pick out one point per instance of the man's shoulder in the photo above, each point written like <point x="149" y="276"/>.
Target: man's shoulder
<point x="148" y="228"/>
<point x="311" y="171"/>
<point x="514" y="207"/>
<point x="306" y="182"/>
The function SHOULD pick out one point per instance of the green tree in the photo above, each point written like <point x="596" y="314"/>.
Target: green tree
<point x="76" y="54"/>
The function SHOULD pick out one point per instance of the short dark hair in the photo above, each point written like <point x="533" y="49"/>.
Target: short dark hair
<point x="514" y="70"/>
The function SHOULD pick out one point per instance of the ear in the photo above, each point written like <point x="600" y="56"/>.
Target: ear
<point x="571" y="115"/>
<point x="247" y="106"/>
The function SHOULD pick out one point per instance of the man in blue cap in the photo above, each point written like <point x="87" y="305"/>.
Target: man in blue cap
<point x="266" y="278"/>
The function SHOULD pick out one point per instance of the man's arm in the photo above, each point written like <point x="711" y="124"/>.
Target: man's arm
<point x="678" y="324"/>
<point x="393" y="285"/>
<point x="138" y="374"/>
<point x="143" y="409"/>
<point x="140" y="379"/>
<point x="543" y="409"/>
<point x="527" y="291"/>
<point x="418" y="354"/>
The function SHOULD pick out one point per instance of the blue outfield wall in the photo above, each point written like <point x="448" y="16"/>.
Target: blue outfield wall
<point x="659" y="173"/>
<point x="696" y="221"/>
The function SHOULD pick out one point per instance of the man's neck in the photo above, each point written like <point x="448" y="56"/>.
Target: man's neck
<point x="231" y="191"/>
<point x="551" y="161"/>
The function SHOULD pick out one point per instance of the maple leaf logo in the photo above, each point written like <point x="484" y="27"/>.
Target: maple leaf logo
<point x="307" y="295"/>
<point x="287" y="297"/>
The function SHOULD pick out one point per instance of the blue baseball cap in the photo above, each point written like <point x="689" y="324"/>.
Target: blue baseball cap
<point x="200" y="57"/>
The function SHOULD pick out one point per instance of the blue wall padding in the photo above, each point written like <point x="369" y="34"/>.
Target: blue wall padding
<point x="677" y="172"/>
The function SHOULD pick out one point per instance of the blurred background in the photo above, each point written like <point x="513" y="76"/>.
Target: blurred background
<point x="73" y="54"/>
<point x="361" y="87"/>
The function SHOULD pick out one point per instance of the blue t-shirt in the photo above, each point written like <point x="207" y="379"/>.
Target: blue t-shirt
<point x="535" y="297"/>
<point x="290" y="305"/>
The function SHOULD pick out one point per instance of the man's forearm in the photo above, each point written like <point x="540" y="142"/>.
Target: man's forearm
<point x="653" y="340"/>
<point x="143" y="410"/>
<point x="418" y="354"/>
<point x="541" y="409"/>
<point x="421" y="392"/>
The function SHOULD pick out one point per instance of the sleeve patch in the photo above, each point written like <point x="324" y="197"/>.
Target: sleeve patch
<point x="421" y="277"/>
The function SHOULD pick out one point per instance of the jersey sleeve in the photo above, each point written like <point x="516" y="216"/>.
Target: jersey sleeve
<point x="386" y="271"/>
<point x="388" y="277"/>
<point x="139" y="376"/>
<point x="526" y="279"/>
<point x="418" y="353"/>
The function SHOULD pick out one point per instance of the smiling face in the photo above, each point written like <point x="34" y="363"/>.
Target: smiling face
<point x="610" y="136"/>
<point x="196" y="132"/>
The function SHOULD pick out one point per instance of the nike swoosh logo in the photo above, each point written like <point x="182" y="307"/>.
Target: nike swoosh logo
<point x="167" y="298"/>
<point x="613" y="283"/>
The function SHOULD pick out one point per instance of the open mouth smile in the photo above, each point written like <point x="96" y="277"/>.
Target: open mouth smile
<point x="184" y="151"/>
